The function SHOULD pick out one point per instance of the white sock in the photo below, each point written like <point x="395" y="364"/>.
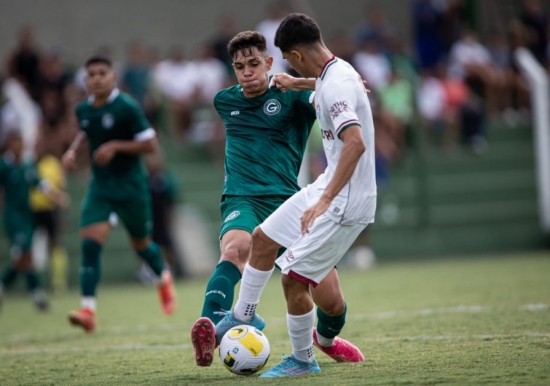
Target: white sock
<point x="38" y="295"/>
<point x="325" y="342"/>
<point x="252" y="285"/>
<point x="300" y="329"/>
<point x="88" y="302"/>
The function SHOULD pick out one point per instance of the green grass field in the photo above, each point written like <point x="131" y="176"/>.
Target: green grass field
<point x="483" y="320"/>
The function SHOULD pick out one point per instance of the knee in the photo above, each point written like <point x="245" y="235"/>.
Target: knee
<point x="140" y="244"/>
<point x="335" y="307"/>
<point x="262" y="243"/>
<point x="236" y="253"/>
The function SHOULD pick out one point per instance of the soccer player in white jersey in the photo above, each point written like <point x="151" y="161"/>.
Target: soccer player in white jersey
<point x="318" y="224"/>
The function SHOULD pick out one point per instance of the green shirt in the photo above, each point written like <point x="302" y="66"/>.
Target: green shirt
<point x="17" y="179"/>
<point x="265" y="140"/>
<point x="121" y="118"/>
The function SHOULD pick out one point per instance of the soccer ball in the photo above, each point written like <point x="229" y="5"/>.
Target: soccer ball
<point x="244" y="350"/>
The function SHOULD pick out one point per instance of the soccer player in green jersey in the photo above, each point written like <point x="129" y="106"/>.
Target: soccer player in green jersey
<point x="266" y="135"/>
<point x="117" y="133"/>
<point x="17" y="177"/>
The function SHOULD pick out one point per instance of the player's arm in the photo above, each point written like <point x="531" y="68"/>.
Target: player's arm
<point x="69" y="158"/>
<point x="56" y="195"/>
<point x="285" y="82"/>
<point x="143" y="143"/>
<point x="354" y="147"/>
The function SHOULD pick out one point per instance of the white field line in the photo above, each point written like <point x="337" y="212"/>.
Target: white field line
<point x="143" y="347"/>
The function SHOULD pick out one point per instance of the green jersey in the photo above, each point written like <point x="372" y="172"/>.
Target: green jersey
<point x="265" y="140"/>
<point x="121" y="118"/>
<point x="17" y="179"/>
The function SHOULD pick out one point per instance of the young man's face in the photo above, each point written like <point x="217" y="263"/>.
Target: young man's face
<point x="100" y="79"/>
<point x="252" y="71"/>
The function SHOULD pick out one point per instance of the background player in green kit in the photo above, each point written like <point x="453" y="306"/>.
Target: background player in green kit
<point x="266" y="135"/>
<point x="17" y="177"/>
<point x="118" y="133"/>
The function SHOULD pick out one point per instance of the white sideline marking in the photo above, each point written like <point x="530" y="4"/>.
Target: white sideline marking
<point x="535" y="307"/>
<point x="140" y="347"/>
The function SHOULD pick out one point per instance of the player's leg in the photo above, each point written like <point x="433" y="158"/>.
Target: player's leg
<point x="331" y="318"/>
<point x="240" y="216"/>
<point x="307" y="262"/>
<point x="25" y="265"/>
<point x="137" y="218"/>
<point x="58" y="258"/>
<point x="94" y="230"/>
<point x="281" y="228"/>
<point x="300" y="318"/>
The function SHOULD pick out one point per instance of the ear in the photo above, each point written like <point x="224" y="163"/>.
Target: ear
<point x="269" y="62"/>
<point x="296" y="55"/>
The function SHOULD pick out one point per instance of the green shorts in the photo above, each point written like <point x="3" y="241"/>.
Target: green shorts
<point x="19" y="228"/>
<point x="135" y="215"/>
<point x="246" y="213"/>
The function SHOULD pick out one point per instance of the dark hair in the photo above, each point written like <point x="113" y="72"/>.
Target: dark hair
<point x="98" y="59"/>
<point x="245" y="41"/>
<point x="297" y="29"/>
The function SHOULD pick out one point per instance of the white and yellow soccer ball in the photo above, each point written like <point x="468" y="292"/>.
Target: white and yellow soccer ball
<point x="244" y="350"/>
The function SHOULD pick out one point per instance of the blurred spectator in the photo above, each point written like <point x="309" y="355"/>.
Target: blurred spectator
<point x="438" y="107"/>
<point x="471" y="61"/>
<point x="427" y="19"/>
<point x="375" y="26"/>
<point x="276" y="12"/>
<point x="136" y="79"/>
<point x="454" y="14"/>
<point x="397" y="100"/>
<point x="402" y="61"/>
<point x="224" y="33"/>
<point x="162" y="186"/>
<point x="46" y="216"/>
<point x="56" y="130"/>
<point x="212" y="77"/>
<point x="342" y="46"/>
<point x="535" y="19"/>
<point x="177" y="78"/>
<point x="372" y="65"/>
<point x="24" y="63"/>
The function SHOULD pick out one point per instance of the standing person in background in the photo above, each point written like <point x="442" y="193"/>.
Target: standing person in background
<point x="318" y="224"/>
<point x="46" y="216"/>
<point x="276" y="12"/>
<point x="118" y="133"/>
<point x="266" y="131"/>
<point x="17" y="176"/>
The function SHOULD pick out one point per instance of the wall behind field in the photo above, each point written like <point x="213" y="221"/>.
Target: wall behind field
<point x="80" y="26"/>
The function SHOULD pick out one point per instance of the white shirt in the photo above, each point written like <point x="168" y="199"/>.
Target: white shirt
<point x="268" y="28"/>
<point x="375" y="68"/>
<point x="341" y="101"/>
<point x="465" y="52"/>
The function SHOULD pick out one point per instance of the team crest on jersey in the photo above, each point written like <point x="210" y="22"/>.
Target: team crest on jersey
<point x="84" y="123"/>
<point x="233" y="215"/>
<point x="272" y="107"/>
<point x="107" y="121"/>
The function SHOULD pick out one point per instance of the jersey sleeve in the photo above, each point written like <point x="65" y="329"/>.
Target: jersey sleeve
<point x="341" y="103"/>
<point x="139" y="125"/>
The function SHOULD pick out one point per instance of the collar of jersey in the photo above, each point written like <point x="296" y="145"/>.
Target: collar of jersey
<point x="111" y="98"/>
<point x="331" y="61"/>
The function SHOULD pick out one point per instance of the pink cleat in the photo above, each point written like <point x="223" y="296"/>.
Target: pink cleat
<point x="341" y="350"/>
<point x="203" y="337"/>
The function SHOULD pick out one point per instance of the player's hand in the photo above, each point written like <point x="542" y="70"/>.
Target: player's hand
<point x="311" y="213"/>
<point x="283" y="81"/>
<point x="62" y="199"/>
<point x="69" y="160"/>
<point x="105" y="153"/>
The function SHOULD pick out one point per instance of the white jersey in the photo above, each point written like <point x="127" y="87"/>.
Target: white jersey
<point x="341" y="101"/>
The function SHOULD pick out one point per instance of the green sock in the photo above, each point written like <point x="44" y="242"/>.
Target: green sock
<point x="90" y="268"/>
<point x="220" y="290"/>
<point x="330" y="326"/>
<point x="33" y="282"/>
<point x="9" y="276"/>
<point x="152" y="256"/>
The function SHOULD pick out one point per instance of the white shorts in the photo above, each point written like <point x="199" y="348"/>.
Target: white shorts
<point x="308" y="258"/>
